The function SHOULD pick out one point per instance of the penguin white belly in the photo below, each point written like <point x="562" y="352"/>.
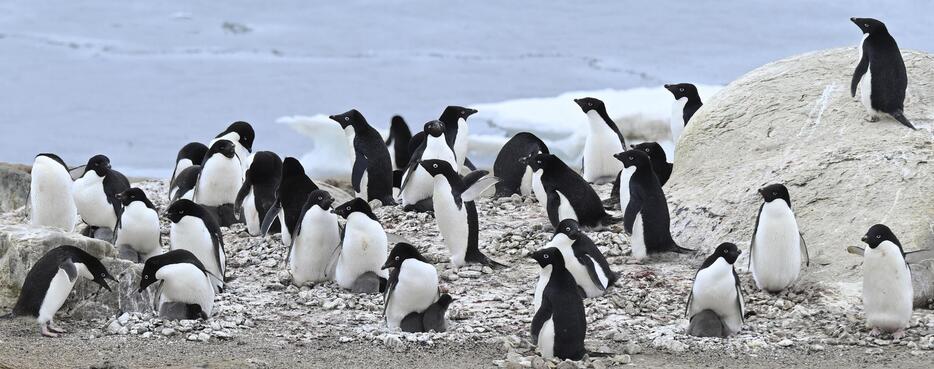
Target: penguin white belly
<point x="539" y="189"/>
<point x="578" y="270"/>
<point x="546" y="339"/>
<point x="602" y="142"/>
<point x="460" y="142"/>
<point x="244" y="155"/>
<point x="188" y="195"/>
<point x="91" y="201"/>
<point x="286" y="231"/>
<point x="420" y="185"/>
<point x="139" y="229"/>
<point x="364" y="250"/>
<point x="251" y="214"/>
<point x="452" y="223"/>
<point x="624" y="178"/>
<point x="191" y="234"/>
<point x="416" y="289"/>
<point x="776" y="259"/>
<point x="364" y="185"/>
<point x="314" y="247"/>
<point x="565" y="209"/>
<point x="887" y="290"/>
<point x="185" y="283"/>
<point x="715" y="289"/>
<point x="51" y="200"/>
<point x="677" y="119"/>
<point x="865" y="92"/>
<point x="219" y="182"/>
<point x="59" y="289"/>
<point x="392" y="157"/>
<point x="543" y="279"/>
<point x="525" y="186"/>
<point x="637" y="239"/>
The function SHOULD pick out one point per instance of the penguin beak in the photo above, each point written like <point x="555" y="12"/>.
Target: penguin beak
<point x="865" y="239"/>
<point x="471" y="111"/>
<point x="386" y="266"/>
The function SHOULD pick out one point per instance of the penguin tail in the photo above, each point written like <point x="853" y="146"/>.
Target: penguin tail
<point x="681" y="250"/>
<point x="900" y="117"/>
<point x="599" y="354"/>
<point x="482" y="259"/>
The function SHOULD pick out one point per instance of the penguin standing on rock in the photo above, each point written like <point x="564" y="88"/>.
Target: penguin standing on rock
<point x="258" y="192"/>
<point x="413" y="284"/>
<point x="51" y="194"/>
<point x="316" y="241"/>
<point x="95" y="194"/>
<point x="364" y="246"/>
<point x="291" y="195"/>
<point x="49" y="282"/>
<point x="881" y="73"/>
<point x="456" y="132"/>
<point x="687" y="102"/>
<point x="190" y="154"/>
<point x="137" y="236"/>
<point x="372" y="168"/>
<point x="582" y="259"/>
<point x="456" y="211"/>
<point x="511" y="165"/>
<point x="715" y="305"/>
<point x="887" y="288"/>
<point x="660" y="164"/>
<point x="183" y="280"/>
<point x="220" y="180"/>
<point x="777" y="246"/>
<point x="603" y="140"/>
<point x="576" y="199"/>
<point x="417" y="184"/>
<point x="398" y="142"/>
<point x="560" y="323"/>
<point x="195" y="229"/>
<point x="242" y="135"/>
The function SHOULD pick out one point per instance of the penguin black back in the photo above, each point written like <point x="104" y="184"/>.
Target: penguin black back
<point x="660" y="164"/>
<point x="176" y="256"/>
<point x="262" y="177"/>
<point x="370" y="153"/>
<point x="512" y="160"/>
<point x="881" y="57"/>
<point x="648" y="198"/>
<point x="40" y="277"/>
<point x="186" y="181"/>
<point x="558" y="176"/>
<point x="291" y="194"/>
<point x="399" y="137"/>
<point x="563" y="304"/>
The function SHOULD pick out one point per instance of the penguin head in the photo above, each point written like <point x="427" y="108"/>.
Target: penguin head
<point x="880" y="233"/>
<point x="53" y="157"/>
<point x="99" y="164"/>
<point x="397" y="123"/>
<point x="680" y="90"/>
<point x="775" y="191"/>
<point x="291" y="167"/>
<point x="541" y="161"/>
<point x="193" y="151"/>
<point x="869" y="25"/>
<point x="357" y="205"/>
<point x="224" y="147"/>
<point x="155" y="263"/>
<point x="130" y="195"/>
<point x="444" y="301"/>
<point x="244" y="131"/>
<point x="548" y="256"/>
<point x="400" y="253"/>
<point x="351" y="118"/>
<point x="319" y="197"/>
<point x="436" y="167"/>
<point x="636" y="158"/>
<point x="653" y="149"/>
<point x="181" y="208"/>
<point x="434" y="128"/>
<point x="589" y="103"/>
<point x="453" y="113"/>
<point x="99" y="273"/>
<point x="728" y="252"/>
<point x="570" y="228"/>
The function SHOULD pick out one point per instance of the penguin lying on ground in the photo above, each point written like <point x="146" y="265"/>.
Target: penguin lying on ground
<point x="715" y="304"/>
<point x="511" y="165"/>
<point x="183" y="280"/>
<point x="887" y="290"/>
<point x="51" y="194"/>
<point x="413" y="284"/>
<point x="137" y="235"/>
<point x="257" y="194"/>
<point x="95" y="194"/>
<point x="363" y="249"/>
<point x="316" y="243"/>
<point x="880" y="57"/>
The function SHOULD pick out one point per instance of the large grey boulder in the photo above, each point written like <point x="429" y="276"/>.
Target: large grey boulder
<point x="14" y="186"/>
<point x="793" y="121"/>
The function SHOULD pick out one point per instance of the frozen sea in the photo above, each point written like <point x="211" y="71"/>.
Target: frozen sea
<point x="138" y="79"/>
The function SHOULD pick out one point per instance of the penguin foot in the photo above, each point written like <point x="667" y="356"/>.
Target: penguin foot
<point x="899" y="334"/>
<point x="46" y="333"/>
<point x="875" y="332"/>
<point x="54" y="329"/>
<point x="872" y="119"/>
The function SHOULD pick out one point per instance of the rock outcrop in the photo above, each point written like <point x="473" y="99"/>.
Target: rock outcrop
<point x="794" y="121"/>
<point x="14" y="186"/>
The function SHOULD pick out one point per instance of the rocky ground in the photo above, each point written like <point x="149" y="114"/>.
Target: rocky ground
<point x="262" y="320"/>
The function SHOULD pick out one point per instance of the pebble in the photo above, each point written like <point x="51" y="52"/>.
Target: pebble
<point x="785" y="343"/>
<point x="167" y="331"/>
<point x="567" y="364"/>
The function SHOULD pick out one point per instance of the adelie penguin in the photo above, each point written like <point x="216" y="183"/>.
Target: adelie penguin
<point x="880" y="75"/>
<point x="372" y="169"/>
<point x="603" y="140"/>
<point x="291" y="195"/>
<point x="568" y="195"/>
<point x="191" y="154"/>
<point x="316" y="242"/>
<point x="242" y="135"/>
<point x="398" y="142"/>
<point x="364" y="246"/>
<point x="137" y="235"/>
<point x="413" y="284"/>
<point x="511" y="165"/>
<point x="687" y="102"/>
<point x="258" y="192"/>
<point x="195" y="229"/>
<point x="559" y="324"/>
<point x="183" y="187"/>
<point x="887" y="288"/>
<point x="51" y="194"/>
<point x="417" y="184"/>
<point x="582" y="259"/>
<point x="219" y="181"/>
<point x="715" y="304"/>
<point x="95" y="194"/>
<point x="456" y="211"/>
<point x="456" y="132"/>
<point x="49" y="282"/>
<point x="432" y="319"/>
<point x="646" y="218"/>
<point x="777" y="247"/>
<point x="183" y="280"/>
<point x="660" y="164"/>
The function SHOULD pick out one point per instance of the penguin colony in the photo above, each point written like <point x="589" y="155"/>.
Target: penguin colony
<point x="225" y="182"/>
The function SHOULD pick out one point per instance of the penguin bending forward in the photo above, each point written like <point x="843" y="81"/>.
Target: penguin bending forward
<point x="512" y="164"/>
<point x="578" y="200"/>
<point x="257" y="194"/>
<point x="291" y="195"/>
<point x="183" y="279"/>
<point x="582" y="258"/>
<point x="95" y="194"/>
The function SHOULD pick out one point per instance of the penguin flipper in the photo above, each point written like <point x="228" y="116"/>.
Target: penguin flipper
<point x="900" y="117"/>
<point x="70" y="269"/>
<point x="918" y="256"/>
<point x="859" y="251"/>
<point x="469" y="164"/>
<point x="475" y="183"/>
<point x="271" y="216"/>
<point x="740" y="304"/>
<point x="804" y="250"/>
<point x="241" y="195"/>
<point x="632" y="209"/>
<point x="861" y="69"/>
<point x="588" y="263"/>
<point x="541" y="316"/>
<point x="752" y="244"/>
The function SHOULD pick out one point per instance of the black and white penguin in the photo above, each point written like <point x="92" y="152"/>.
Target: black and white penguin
<point x="456" y="131"/>
<point x="221" y="176"/>
<point x="413" y="284"/>
<point x="660" y="164"/>
<point x="190" y="154"/>
<point x="398" y="142"/>
<point x="456" y="211"/>
<point x="582" y="259"/>
<point x="879" y="56"/>
<point x="512" y="164"/>
<point x="195" y="229"/>
<point x="49" y="282"/>
<point x="777" y="246"/>
<point x="432" y="319"/>
<point x="372" y="168"/>
<point x="717" y="289"/>
<point x="291" y="195"/>
<point x="184" y="185"/>
<point x="603" y="140"/>
<point x="417" y="184"/>
<point x="364" y="246"/>
<point x="258" y="192"/>
<point x="646" y="218"/>
<point x="242" y="135"/>
<point x="887" y="288"/>
<point x="51" y="194"/>
<point x="579" y="201"/>
<point x="137" y="235"/>
<point x="183" y="279"/>
<point x="687" y="101"/>
<point x="560" y="324"/>
<point x="316" y="242"/>
<point x="95" y="194"/>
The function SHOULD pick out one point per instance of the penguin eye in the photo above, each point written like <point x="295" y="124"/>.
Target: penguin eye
<point x="346" y="119"/>
<point x="348" y="208"/>
<point x="589" y="104"/>
<point x="319" y="198"/>
<point x="102" y="275"/>
<point x="866" y="25"/>
<point x="434" y="165"/>
<point x="878" y="236"/>
<point x="774" y="193"/>
<point x="647" y="149"/>
<point x="397" y="258"/>
<point x="681" y="89"/>
<point x="631" y="158"/>
<point x="145" y="277"/>
<point x="545" y="256"/>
